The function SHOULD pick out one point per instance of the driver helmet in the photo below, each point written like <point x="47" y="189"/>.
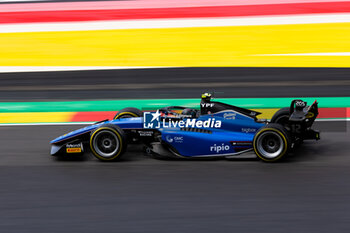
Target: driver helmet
<point x="206" y="97"/>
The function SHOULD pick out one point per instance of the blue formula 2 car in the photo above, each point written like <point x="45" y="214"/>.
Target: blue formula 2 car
<point x="216" y="130"/>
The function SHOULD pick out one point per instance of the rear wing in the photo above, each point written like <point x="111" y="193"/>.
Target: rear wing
<point x="299" y="110"/>
<point x="301" y="119"/>
<point x="298" y="104"/>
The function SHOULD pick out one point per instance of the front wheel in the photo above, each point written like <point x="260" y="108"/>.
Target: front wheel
<point x="108" y="142"/>
<point x="271" y="143"/>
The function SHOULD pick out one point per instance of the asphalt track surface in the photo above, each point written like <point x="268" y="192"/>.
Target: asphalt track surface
<point x="174" y="83"/>
<point x="309" y="192"/>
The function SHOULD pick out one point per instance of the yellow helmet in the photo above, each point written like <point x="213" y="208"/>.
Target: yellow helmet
<point x="206" y="96"/>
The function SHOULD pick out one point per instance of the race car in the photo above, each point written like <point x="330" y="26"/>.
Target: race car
<point x="216" y="130"/>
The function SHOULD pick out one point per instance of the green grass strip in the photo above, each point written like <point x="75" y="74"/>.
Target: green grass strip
<point x="115" y="105"/>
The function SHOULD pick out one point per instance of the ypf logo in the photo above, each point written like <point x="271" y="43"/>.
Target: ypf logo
<point x="151" y="120"/>
<point x="207" y="105"/>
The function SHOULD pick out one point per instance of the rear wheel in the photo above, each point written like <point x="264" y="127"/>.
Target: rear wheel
<point x="271" y="143"/>
<point x="108" y="142"/>
<point x="128" y="113"/>
<point x="281" y="116"/>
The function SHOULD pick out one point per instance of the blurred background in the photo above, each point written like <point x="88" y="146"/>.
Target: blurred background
<point x="66" y="63"/>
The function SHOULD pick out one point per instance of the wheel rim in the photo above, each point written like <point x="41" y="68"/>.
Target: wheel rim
<point x="106" y="143"/>
<point x="270" y="144"/>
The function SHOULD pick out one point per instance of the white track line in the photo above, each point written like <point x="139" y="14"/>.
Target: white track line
<point x="175" y="23"/>
<point x="307" y="54"/>
<point x="139" y="4"/>
<point x="11" y="69"/>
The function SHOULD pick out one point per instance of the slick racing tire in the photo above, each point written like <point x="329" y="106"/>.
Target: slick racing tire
<point x="281" y="117"/>
<point x="271" y="143"/>
<point x="108" y="142"/>
<point x="128" y="113"/>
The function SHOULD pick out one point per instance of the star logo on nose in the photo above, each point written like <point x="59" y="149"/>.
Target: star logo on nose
<point x="155" y="115"/>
